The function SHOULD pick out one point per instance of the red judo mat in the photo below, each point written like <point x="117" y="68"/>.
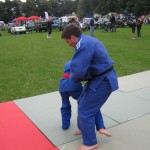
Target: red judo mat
<point x="17" y="132"/>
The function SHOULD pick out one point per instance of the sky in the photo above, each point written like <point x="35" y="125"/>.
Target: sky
<point x="12" y="0"/>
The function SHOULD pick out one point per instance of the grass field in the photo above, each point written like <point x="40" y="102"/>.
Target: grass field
<point x="31" y="64"/>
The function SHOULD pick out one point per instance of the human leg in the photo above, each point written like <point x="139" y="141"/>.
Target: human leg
<point x="138" y="34"/>
<point x="99" y="121"/>
<point x="65" y="110"/>
<point x="76" y="94"/>
<point x="100" y="127"/>
<point x="105" y="132"/>
<point x="49" y="33"/>
<point x="91" y="31"/>
<point x="132" y="35"/>
<point x="84" y="147"/>
<point x="89" y="105"/>
<point x="113" y="27"/>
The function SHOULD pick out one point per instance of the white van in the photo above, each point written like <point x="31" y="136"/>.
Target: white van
<point x="64" y="21"/>
<point x="67" y="18"/>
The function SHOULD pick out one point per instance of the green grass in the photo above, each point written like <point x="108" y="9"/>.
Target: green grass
<point x="31" y="64"/>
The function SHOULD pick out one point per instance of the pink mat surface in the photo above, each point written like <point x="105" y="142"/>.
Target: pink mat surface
<point x="17" y="132"/>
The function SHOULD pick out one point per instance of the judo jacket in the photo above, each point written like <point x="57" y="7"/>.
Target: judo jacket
<point x="66" y="84"/>
<point x="91" y="62"/>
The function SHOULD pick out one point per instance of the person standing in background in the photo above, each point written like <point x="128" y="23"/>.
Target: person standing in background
<point x="113" y="23"/>
<point x="92" y="27"/>
<point x="49" y="27"/>
<point x="139" y="26"/>
<point x="133" y="28"/>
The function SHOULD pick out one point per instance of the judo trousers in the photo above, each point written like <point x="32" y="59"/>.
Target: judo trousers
<point x="66" y="106"/>
<point x="89" y="105"/>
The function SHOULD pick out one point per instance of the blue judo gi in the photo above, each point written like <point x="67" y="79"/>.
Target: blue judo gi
<point x="92" y="63"/>
<point x="67" y="88"/>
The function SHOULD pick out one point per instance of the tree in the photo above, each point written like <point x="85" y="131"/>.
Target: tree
<point x="141" y="7"/>
<point x="30" y="8"/>
<point x="43" y="6"/>
<point x="11" y="10"/>
<point x="84" y="7"/>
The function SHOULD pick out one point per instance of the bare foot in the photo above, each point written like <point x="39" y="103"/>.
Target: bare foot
<point x="77" y="132"/>
<point x="103" y="131"/>
<point x="84" y="147"/>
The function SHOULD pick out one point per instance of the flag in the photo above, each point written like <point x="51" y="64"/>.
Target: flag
<point x="46" y="15"/>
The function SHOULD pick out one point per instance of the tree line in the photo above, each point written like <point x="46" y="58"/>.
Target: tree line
<point x="10" y="10"/>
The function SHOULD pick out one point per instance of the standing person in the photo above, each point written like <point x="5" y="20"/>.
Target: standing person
<point x="49" y="27"/>
<point x="113" y="23"/>
<point x="133" y="28"/>
<point x="139" y="26"/>
<point x="60" y="25"/>
<point x="92" y="27"/>
<point x="90" y="63"/>
<point x="68" y="88"/>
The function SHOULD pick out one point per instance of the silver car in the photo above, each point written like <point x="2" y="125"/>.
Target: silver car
<point x="2" y="25"/>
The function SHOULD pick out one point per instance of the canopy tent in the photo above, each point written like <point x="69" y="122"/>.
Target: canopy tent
<point x="33" y="18"/>
<point x="22" y="18"/>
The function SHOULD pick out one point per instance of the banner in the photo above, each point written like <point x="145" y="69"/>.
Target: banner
<point x="46" y="15"/>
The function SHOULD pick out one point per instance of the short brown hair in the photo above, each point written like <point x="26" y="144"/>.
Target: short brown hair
<point x="71" y="30"/>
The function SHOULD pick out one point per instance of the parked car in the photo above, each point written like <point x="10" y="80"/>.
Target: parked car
<point x="18" y="30"/>
<point x="40" y="26"/>
<point x="30" y="26"/>
<point x="87" y="22"/>
<point x="62" y="25"/>
<point x="67" y="18"/>
<point x="129" y="22"/>
<point x="84" y="24"/>
<point x="9" y="26"/>
<point x="55" y="24"/>
<point x="2" y="25"/>
<point x="121" y="23"/>
<point x="103" y="22"/>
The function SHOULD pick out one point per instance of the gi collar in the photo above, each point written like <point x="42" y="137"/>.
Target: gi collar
<point x="79" y="42"/>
